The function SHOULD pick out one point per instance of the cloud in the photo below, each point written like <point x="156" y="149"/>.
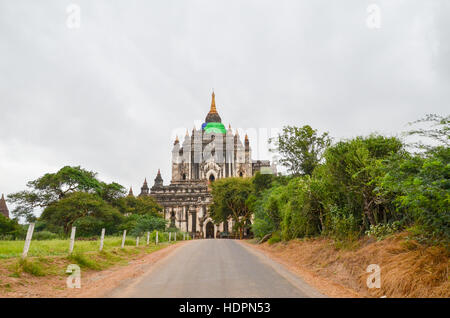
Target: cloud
<point x="109" y="95"/>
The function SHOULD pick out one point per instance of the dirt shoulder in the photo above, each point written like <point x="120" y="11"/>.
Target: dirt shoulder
<point x="94" y="283"/>
<point x="408" y="269"/>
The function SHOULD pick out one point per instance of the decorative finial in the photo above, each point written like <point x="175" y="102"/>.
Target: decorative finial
<point x="213" y="109"/>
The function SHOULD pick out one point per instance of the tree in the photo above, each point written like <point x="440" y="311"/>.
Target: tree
<point x="352" y="167"/>
<point x="139" y="205"/>
<point x="52" y="187"/>
<point x="230" y="199"/>
<point x="111" y="192"/>
<point x="421" y="184"/>
<point x="138" y="224"/>
<point x="9" y="228"/>
<point x="87" y="211"/>
<point x="301" y="148"/>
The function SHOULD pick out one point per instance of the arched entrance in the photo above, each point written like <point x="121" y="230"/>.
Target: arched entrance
<point x="209" y="230"/>
<point x="212" y="178"/>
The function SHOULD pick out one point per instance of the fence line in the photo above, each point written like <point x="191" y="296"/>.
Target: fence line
<point x="30" y="231"/>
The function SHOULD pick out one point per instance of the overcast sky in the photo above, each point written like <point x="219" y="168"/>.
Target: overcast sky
<point x="111" y="95"/>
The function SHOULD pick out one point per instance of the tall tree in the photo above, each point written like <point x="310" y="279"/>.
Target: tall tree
<point x="230" y="200"/>
<point x="301" y="148"/>
<point x="87" y="211"/>
<point x="352" y="166"/>
<point x="53" y="187"/>
<point x="139" y="205"/>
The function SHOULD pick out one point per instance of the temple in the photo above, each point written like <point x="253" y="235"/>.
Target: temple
<point x="3" y="207"/>
<point x="209" y="153"/>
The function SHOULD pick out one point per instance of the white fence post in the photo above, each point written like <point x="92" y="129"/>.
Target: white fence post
<point x="72" y="239"/>
<point x="170" y="235"/>
<point x="148" y="238"/>
<point x="102" y="237"/>
<point x="123" y="238"/>
<point x="174" y="236"/>
<point x="26" y="247"/>
<point x="156" y="237"/>
<point x="137" y="240"/>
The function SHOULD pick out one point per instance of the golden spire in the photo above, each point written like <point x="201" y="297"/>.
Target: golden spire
<point x="213" y="109"/>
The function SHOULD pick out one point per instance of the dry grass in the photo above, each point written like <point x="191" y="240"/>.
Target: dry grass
<point x="408" y="269"/>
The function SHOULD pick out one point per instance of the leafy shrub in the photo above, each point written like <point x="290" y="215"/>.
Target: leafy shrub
<point x="275" y="238"/>
<point x="422" y="187"/>
<point x="342" y="224"/>
<point x="10" y="229"/>
<point x="45" y="235"/>
<point x="84" y="261"/>
<point x="88" y="226"/>
<point x="380" y="231"/>
<point x="31" y="267"/>
<point x="137" y="224"/>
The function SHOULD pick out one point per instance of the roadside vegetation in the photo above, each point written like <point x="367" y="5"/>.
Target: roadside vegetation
<point x="371" y="186"/>
<point x="75" y="197"/>
<point x="345" y="204"/>
<point x="59" y="247"/>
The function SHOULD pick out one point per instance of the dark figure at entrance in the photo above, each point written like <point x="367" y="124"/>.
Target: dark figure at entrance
<point x="209" y="230"/>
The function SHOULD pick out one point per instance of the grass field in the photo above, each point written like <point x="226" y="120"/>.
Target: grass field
<point x="10" y="249"/>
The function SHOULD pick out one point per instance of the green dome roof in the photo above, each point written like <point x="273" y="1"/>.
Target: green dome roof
<point x="217" y="128"/>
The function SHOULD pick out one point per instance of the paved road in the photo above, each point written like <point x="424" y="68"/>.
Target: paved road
<point x="216" y="268"/>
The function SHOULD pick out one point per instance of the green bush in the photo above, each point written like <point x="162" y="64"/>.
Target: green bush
<point x="10" y="229"/>
<point x="341" y="224"/>
<point x="275" y="238"/>
<point x="421" y="184"/>
<point x="31" y="267"/>
<point x="380" y="231"/>
<point x="45" y="235"/>
<point x="147" y="223"/>
<point x="84" y="261"/>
